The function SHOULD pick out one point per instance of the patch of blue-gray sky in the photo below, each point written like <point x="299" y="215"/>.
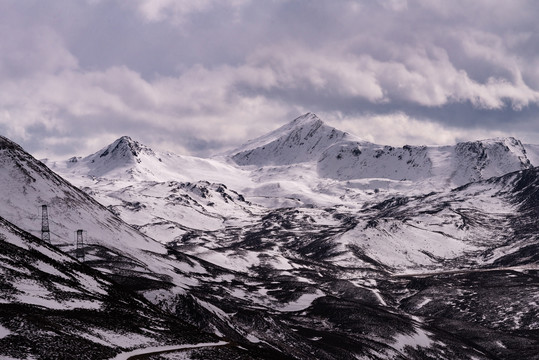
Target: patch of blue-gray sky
<point x="201" y="76"/>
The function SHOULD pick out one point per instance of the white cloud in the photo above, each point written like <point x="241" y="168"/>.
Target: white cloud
<point x="420" y="75"/>
<point x="399" y="129"/>
<point x="291" y="67"/>
<point x="208" y="104"/>
<point x="199" y="104"/>
<point x="177" y="11"/>
<point x="395" y="5"/>
<point x="291" y="57"/>
<point x="32" y="50"/>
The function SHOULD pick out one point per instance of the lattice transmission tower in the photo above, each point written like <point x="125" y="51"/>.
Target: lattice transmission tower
<point x="45" y="231"/>
<point x="79" y="251"/>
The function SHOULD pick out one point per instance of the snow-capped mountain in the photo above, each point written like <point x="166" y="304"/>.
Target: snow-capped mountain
<point x="301" y="140"/>
<point x="126" y="159"/>
<point x="319" y="251"/>
<point x="455" y="165"/>
<point x="119" y="252"/>
<point x="27" y="184"/>
<point x="304" y="162"/>
<point x="123" y="157"/>
<point x="341" y="156"/>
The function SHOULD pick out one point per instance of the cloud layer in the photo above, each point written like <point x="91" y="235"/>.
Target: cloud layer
<point x="198" y="77"/>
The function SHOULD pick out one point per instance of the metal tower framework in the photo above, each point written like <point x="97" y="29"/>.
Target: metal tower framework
<point x="79" y="252"/>
<point x="45" y="232"/>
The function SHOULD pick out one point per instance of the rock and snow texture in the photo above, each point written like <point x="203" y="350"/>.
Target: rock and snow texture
<point x="301" y="140"/>
<point x="124" y="153"/>
<point x="128" y="160"/>
<point x="454" y="165"/>
<point x="350" y="160"/>
<point x="27" y="184"/>
<point x="303" y="162"/>
<point x="341" y="156"/>
<point x="54" y="307"/>
<point x="338" y="267"/>
<point x="479" y="160"/>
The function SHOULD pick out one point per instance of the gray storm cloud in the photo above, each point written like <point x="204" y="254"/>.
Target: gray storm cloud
<point x="197" y="77"/>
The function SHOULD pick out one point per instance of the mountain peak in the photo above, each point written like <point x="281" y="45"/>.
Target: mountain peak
<point x="123" y="153"/>
<point x="122" y="147"/>
<point x="301" y="140"/>
<point x="6" y="143"/>
<point x="305" y="119"/>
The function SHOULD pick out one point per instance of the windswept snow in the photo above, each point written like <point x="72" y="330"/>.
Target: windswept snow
<point x="532" y="152"/>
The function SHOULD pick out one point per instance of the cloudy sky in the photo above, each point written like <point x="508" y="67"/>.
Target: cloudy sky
<point x="201" y="76"/>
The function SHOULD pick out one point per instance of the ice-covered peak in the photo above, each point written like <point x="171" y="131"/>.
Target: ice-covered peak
<point x="122" y="148"/>
<point x="508" y="143"/>
<point x="301" y="140"/>
<point x="307" y="119"/>
<point x="123" y="154"/>
<point x="128" y="160"/>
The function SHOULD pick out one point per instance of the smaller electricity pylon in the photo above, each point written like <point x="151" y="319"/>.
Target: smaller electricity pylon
<point x="79" y="251"/>
<point x="45" y="232"/>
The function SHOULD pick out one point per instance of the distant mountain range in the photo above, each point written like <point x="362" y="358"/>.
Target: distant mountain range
<point x="305" y="243"/>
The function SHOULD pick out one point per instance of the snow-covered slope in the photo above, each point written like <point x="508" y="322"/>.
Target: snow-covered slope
<point x="454" y="165"/>
<point x="301" y="140"/>
<point x="126" y="159"/>
<point x="128" y="177"/>
<point x="343" y="157"/>
<point x="54" y="307"/>
<point x="350" y="160"/>
<point x="27" y="184"/>
<point x="362" y="276"/>
<point x="167" y="210"/>
<point x="478" y="160"/>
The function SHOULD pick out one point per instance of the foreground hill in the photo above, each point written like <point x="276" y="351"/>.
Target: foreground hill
<point x="115" y="250"/>
<point x="52" y="306"/>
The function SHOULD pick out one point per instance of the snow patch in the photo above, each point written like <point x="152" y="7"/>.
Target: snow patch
<point x="4" y="332"/>
<point x="419" y="339"/>
<point x="302" y="303"/>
